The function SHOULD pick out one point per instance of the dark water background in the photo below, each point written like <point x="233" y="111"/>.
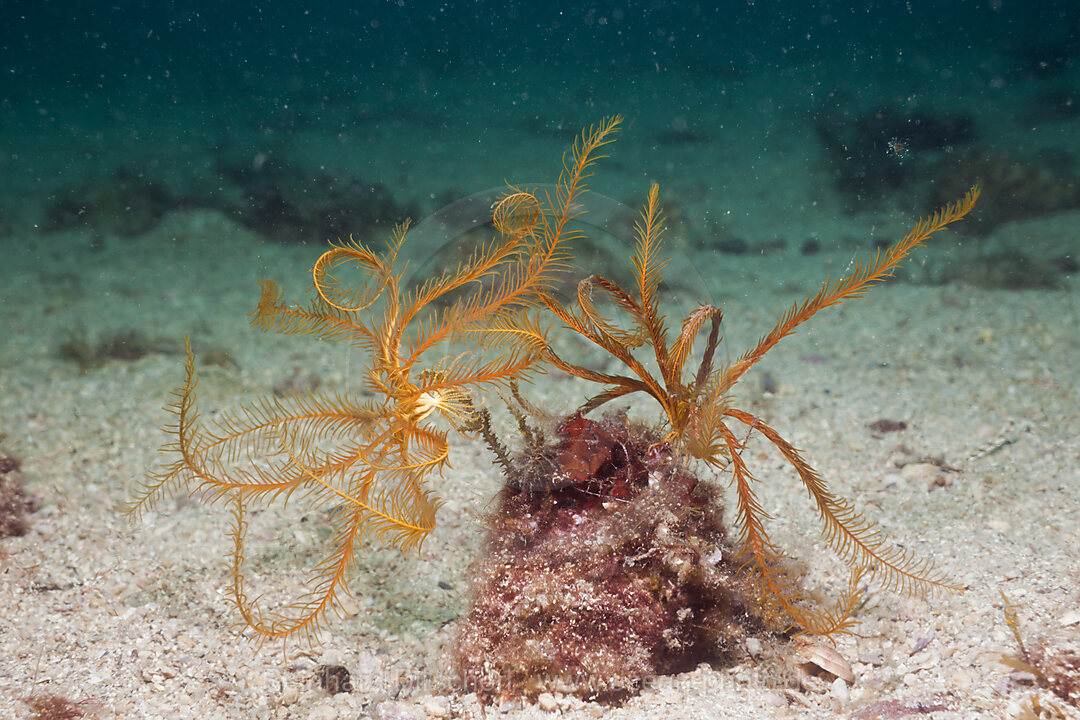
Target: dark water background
<point x="56" y="45"/>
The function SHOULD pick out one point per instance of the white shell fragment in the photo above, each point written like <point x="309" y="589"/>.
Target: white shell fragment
<point x="826" y="658"/>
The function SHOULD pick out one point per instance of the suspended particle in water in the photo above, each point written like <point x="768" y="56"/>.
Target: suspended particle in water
<point x="897" y="148"/>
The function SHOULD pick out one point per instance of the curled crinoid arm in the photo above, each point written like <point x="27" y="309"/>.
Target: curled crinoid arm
<point x="518" y="215"/>
<point x="378" y="266"/>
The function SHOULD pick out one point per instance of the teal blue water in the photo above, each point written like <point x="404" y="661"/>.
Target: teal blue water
<point x="771" y="127"/>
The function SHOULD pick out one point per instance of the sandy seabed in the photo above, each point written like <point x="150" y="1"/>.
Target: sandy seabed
<point x="133" y="618"/>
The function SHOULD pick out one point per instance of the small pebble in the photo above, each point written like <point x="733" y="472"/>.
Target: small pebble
<point x="887" y="426"/>
<point x="331" y="657"/>
<point x="546" y="701"/>
<point x="839" y="690"/>
<point x="290" y="695"/>
<point x="326" y="711"/>
<point x="510" y="706"/>
<point x="333" y="679"/>
<point x="774" y="699"/>
<point x="390" y="710"/>
<point x="436" y="707"/>
<point x="891" y="480"/>
<point x="920" y="472"/>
